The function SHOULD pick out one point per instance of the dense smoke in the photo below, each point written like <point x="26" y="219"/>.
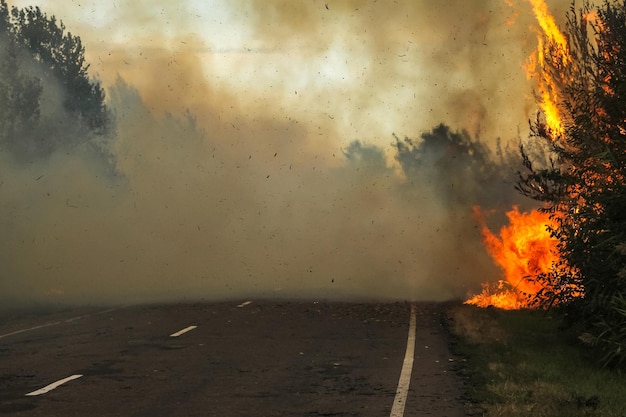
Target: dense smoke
<point x="275" y="183"/>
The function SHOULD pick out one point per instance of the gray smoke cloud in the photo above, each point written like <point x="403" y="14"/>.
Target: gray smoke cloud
<point x="190" y="215"/>
<point x="221" y="191"/>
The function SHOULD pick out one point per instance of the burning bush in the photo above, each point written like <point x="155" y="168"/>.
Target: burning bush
<point x="524" y="251"/>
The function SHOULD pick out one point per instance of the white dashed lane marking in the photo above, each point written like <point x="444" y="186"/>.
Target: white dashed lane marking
<point x="54" y="385"/>
<point x="399" y="402"/>
<point x="183" y="331"/>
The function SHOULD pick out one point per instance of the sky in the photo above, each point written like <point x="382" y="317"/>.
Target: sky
<point x="233" y="119"/>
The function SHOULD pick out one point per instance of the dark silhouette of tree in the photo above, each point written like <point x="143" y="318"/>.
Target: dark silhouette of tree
<point x="370" y="157"/>
<point x="44" y="64"/>
<point x="463" y="170"/>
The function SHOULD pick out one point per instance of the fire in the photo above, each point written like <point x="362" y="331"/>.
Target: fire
<point x="548" y="24"/>
<point x="524" y="249"/>
<point x="548" y="88"/>
<point x="593" y="17"/>
<point x="499" y="295"/>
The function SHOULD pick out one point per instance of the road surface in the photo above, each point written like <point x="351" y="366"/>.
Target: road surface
<point x="241" y="358"/>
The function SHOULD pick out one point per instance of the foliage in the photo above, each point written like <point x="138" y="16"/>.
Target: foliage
<point x="585" y="186"/>
<point x="368" y="156"/>
<point x="48" y="100"/>
<point x="463" y="170"/>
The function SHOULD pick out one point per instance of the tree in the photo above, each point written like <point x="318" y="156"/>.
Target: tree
<point x="585" y="187"/>
<point x="462" y="169"/>
<point x="42" y="63"/>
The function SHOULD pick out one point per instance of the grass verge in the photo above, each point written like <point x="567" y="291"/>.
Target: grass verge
<point x="517" y="363"/>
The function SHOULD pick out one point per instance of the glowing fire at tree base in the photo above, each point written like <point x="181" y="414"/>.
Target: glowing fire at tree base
<point x="500" y="295"/>
<point x="523" y="250"/>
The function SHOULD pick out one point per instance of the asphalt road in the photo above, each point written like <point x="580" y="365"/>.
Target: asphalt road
<point x="226" y="359"/>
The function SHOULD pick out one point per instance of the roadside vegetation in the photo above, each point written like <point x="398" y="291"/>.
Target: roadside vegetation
<point x="584" y="187"/>
<point x="522" y="363"/>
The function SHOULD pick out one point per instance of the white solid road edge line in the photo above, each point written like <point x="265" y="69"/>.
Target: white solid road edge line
<point x="54" y="385"/>
<point x="399" y="402"/>
<point x="183" y="331"/>
<point x="41" y="326"/>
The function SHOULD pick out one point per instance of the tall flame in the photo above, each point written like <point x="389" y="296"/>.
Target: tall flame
<point x="523" y="250"/>
<point x="548" y="24"/>
<point x="552" y="37"/>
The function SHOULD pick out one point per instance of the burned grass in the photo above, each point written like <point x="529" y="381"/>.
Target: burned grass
<point x="518" y="363"/>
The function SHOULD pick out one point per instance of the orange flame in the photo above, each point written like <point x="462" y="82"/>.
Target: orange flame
<point x="499" y="295"/>
<point x="548" y="24"/>
<point x="593" y="17"/>
<point x="547" y="85"/>
<point x="524" y="249"/>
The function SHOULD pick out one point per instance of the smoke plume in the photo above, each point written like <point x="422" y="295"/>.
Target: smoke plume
<point x="262" y="162"/>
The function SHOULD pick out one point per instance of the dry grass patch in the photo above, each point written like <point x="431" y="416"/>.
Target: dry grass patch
<point x="518" y="364"/>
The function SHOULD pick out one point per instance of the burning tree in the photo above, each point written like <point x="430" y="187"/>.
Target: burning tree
<point x="582" y="81"/>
